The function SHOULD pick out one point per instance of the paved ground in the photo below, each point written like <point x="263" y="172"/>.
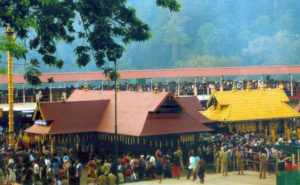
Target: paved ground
<point x="250" y="178"/>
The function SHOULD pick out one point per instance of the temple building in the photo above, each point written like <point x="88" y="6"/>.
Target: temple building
<point x="262" y="110"/>
<point x="297" y="108"/>
<point x="86" y="120"/>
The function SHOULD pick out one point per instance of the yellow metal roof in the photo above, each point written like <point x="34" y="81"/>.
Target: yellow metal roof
<point x="232" y="106"/>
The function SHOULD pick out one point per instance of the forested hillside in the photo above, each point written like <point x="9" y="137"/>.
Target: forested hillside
<point x="208" y="33"/>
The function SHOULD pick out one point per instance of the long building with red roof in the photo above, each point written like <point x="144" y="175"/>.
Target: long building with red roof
<point x="163" y="73"/>
<point x="139" y="114"/>
<point x="145" y="119"/>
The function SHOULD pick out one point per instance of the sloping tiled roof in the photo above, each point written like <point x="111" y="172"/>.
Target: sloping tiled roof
<point x="133" y="108"/>
<point x="232" y="106"/>
<point x="163" y="73"/>
<point x="183" y="123"/>
<point x="297" y="108"/>
<point x="192" y="106"/>
<point x="69" y="117"/>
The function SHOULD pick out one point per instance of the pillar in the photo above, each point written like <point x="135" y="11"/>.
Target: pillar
<point x="195" y="88"/>
<point x="195" y="91"/>
<point x="51" y="99"/>
<point x="178" y="86"/>
<point x="52" y="150"/>
<point x="39" y="142"/>
<point x="176" y="92"/>
<point x="43" y="143"/>
<point x="50" y="95"/>
<point x="273" y="135"/>
<point x="11" y="131"/>
<point x="221" y="83"/>
<point x="288" y="132"/>
<point x="37" y="97"/>
<point x="285" y="128"/>
<point x="242" y="83"/>
<point x="77" y="142"/>
<point x="291" y="85"/>
<point x="24" y="96"/>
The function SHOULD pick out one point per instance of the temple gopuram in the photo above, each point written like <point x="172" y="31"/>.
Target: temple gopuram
<point x="263" y="110"/>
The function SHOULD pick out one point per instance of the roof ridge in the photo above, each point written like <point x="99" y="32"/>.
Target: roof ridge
<point x="228" y="112"/>
<point x="196" y="119"/>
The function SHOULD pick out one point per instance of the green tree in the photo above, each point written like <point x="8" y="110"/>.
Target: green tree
<point x="110" y="74"/>
<point x="281" y="49"/>
<point x="2" y="71"/>
<point x="208" y="37"/>
<point x="105" y="26"/>
<point x="50" y="81"/>
<point x="208" y="61"/>
<point x="16" y="49"/>
<point x="175" y="36"/>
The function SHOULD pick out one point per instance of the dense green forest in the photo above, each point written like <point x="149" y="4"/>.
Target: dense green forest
<point x="206" y="33"/>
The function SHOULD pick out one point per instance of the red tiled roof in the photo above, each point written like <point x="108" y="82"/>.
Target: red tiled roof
<point x="297" y="108"/>
<point x="69" y="117"/>
<point x="190" y="102"/>
<point x="184" y="123"/>
<point x="163" y="73"/>
<point x="192" y="106"/>
<point x="133" y="108"/>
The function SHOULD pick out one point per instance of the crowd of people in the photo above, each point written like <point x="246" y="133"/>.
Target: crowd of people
<point x="250" y="151"/>
<point x="223" y="153"/>
<point x="34" y="167"/>
<point x="185" y="88"/>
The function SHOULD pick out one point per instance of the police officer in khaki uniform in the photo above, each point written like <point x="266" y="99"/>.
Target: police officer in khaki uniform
<point x="218" y="160"/>
<point x="240" y="158"/>
<point x="224" y="161"/>
<point x="262" y="163"/>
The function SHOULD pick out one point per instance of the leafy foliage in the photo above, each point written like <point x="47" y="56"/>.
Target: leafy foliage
<point x="208" y="61"/>
<point x="50" y="80"/>
<point x="257" y="32"/>
<point x="203" y="34"/>
<point x="16" y="49"/>
<point x="45" y="22"/>
<point x="32" y="73"/>
<point x="2" y="70"/>
<point x="110" y="74"/>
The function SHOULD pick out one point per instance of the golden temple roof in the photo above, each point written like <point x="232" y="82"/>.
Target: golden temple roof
<point x="247" y="105"/>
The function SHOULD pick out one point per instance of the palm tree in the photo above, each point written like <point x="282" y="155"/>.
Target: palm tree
<point x="109" y="74"/>
<point x="50" y="81"/>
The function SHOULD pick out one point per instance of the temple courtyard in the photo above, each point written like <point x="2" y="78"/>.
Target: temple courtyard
<point x="250" y="178"/>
